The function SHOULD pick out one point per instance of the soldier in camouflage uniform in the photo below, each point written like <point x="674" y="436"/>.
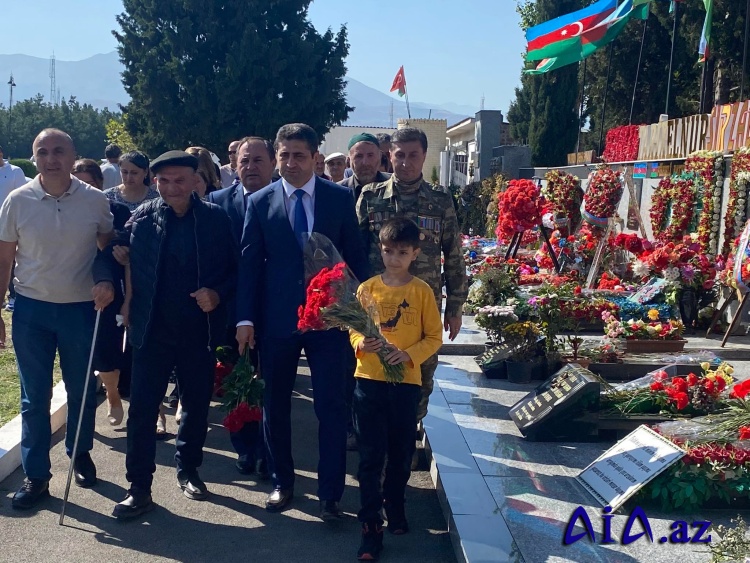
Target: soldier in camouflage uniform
<point x="406" y="193"/>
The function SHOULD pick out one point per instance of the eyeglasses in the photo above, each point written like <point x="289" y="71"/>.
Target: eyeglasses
<point x="232" y="152"/>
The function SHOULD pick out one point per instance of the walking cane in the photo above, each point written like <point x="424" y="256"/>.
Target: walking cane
<point x="80" y="417"/>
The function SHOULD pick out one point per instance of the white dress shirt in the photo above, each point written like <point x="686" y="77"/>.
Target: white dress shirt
<point x="290" y="200"/>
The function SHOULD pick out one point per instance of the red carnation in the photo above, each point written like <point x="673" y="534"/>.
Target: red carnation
<point x="657" y="386"/>
<point x="744" y="432"/>
<point x="682" y="400"/>
<point x="692" y="379"/>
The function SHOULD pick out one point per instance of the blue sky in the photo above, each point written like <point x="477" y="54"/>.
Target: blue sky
<point x="452" y="51"/>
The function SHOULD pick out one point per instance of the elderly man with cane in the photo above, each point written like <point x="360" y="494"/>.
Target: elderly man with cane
<point x="51" y="228"/>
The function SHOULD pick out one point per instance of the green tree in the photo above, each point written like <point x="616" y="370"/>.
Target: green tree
<point x="83" y="122"/>
<point x="208" y="72"/>
<point x="117" y="134"/>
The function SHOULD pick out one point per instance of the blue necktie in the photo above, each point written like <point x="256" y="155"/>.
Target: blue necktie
<point x="300" y="219"/>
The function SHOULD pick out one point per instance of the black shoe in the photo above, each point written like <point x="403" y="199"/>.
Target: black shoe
<point x="279" y="499"/>
<point x="133" y="506"/>
<point x="245" y="466"/>
<point x="30" y="493"/>
<point x="84" y="471"/>
<point x="191" y="485"/>
<point x="396" y="516"/>
<point x="330" y="511"/>
<point x="372" y="542"/>
<point x="261" y="469"/>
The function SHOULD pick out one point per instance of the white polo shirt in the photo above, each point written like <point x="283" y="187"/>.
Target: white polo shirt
<point x="56" y="239"/>
<point x="11" y="177"/>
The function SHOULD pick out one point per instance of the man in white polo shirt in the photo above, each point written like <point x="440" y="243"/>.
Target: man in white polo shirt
<point x="11" y="177"/>
<point x="51" y="228"/>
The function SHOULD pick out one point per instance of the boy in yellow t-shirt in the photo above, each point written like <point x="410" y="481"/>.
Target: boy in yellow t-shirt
<point x="385" y="414"/>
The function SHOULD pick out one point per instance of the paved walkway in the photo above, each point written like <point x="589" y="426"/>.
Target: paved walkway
<point x="231" y="526"/>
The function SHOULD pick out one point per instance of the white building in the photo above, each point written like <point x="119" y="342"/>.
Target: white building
<point x="337" y="139"/>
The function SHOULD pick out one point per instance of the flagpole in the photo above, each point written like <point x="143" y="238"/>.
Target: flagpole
<point x="406" y="93"/>
<point x="580" y="111"/>
<point x="744" y="55"/>
<point x="604" y="104"/>
<point x="671" y="55"/>
<point x="638" y="70"/>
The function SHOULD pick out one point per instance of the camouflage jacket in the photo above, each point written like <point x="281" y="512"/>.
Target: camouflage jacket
<point x="432" y="210"/>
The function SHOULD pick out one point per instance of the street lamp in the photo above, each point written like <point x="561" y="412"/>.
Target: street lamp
<point x="12" y="85"/>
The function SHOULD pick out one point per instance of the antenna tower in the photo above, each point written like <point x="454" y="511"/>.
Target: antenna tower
<point x="481" y="103"/>
<point x="52" y="81"/>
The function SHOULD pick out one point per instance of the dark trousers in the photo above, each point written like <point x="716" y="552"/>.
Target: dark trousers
<point x="351" y="367"/>
<point x="193" y="363"/>
<point x="325" y="352"/>
<point x="40" y="329"/>
<point x="385" y="418"/>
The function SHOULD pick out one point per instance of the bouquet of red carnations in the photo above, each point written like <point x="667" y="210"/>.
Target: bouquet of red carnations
<point x="242" y="394"/>
<point x="333" y="301"/>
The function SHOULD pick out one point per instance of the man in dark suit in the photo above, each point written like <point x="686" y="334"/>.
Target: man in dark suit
<point x="272" y="286"/>
<point x="256" y="161"/>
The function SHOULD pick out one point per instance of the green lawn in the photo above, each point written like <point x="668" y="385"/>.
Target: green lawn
<point x="10" y="390"/>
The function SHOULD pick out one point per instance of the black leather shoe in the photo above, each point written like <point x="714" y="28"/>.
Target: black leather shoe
<point x="278" y="499"/>
<point x="84" y="471"/>
<point x="133" y="506"/>
<point x="330" y="511"/>
<point x="191" y="485"/>
<point x="245" y="466"/>
<point x="261" y="469"/>
<point x="30" y="493"/>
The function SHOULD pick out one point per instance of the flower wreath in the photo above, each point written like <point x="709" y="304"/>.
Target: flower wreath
<point x="521" y="208"/>
<point x="709" y="166"/>
<point x="737" y="200"/>
<point x="681" y="192"/>
<point x="602" y="196"/>
<point x="564" y="192"/>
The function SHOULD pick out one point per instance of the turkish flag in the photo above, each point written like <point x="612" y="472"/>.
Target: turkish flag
<point x="399" y="83"/>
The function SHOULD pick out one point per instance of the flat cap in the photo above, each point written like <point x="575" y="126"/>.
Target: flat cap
<point x="174" y="158"/>
<point x="363" y="138"/>
<point x="334" y="156"/>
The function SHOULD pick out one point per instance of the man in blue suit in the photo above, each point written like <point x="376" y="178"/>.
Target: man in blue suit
<point x="256" y="161"/>
<point x="271" y="288"/>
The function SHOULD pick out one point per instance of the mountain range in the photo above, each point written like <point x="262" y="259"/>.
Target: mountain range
<point x="96" y="81"/>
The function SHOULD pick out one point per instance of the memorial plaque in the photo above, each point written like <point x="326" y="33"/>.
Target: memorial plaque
<point x="492" y="362"/>
<point x="622" y="470"/>
<point x="563" y="408"/>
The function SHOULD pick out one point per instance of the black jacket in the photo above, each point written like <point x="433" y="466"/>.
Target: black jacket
<point x="217" y="262"/>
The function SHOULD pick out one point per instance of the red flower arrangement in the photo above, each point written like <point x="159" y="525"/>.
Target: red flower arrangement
<point x="630" y="242"/>
<point x="680" y="194"/>
<point x="611" y="283"/>
<point x="242" y="394"/>
<point x="521" y="208"/>
<point x="220" y="373"/>
<point x="332" y="302"/>
<point x="602" y="196"/>
<point x="564" y="192"/>
<point x="621" y="144"/>
<point x="683" y="263"/>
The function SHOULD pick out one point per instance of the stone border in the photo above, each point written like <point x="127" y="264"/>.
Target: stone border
<point x="478" y="530"/>
<point x="10" y="433"/>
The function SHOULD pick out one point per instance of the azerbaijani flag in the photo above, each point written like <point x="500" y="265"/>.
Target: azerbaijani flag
<point x="703" y="47"/>
<point x="399" y="82"/>
<point x="598" y="36"/>
<point x="550" y="38"/>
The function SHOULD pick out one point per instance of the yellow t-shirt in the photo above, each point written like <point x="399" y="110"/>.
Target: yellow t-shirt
<point x="409" y="319"/>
